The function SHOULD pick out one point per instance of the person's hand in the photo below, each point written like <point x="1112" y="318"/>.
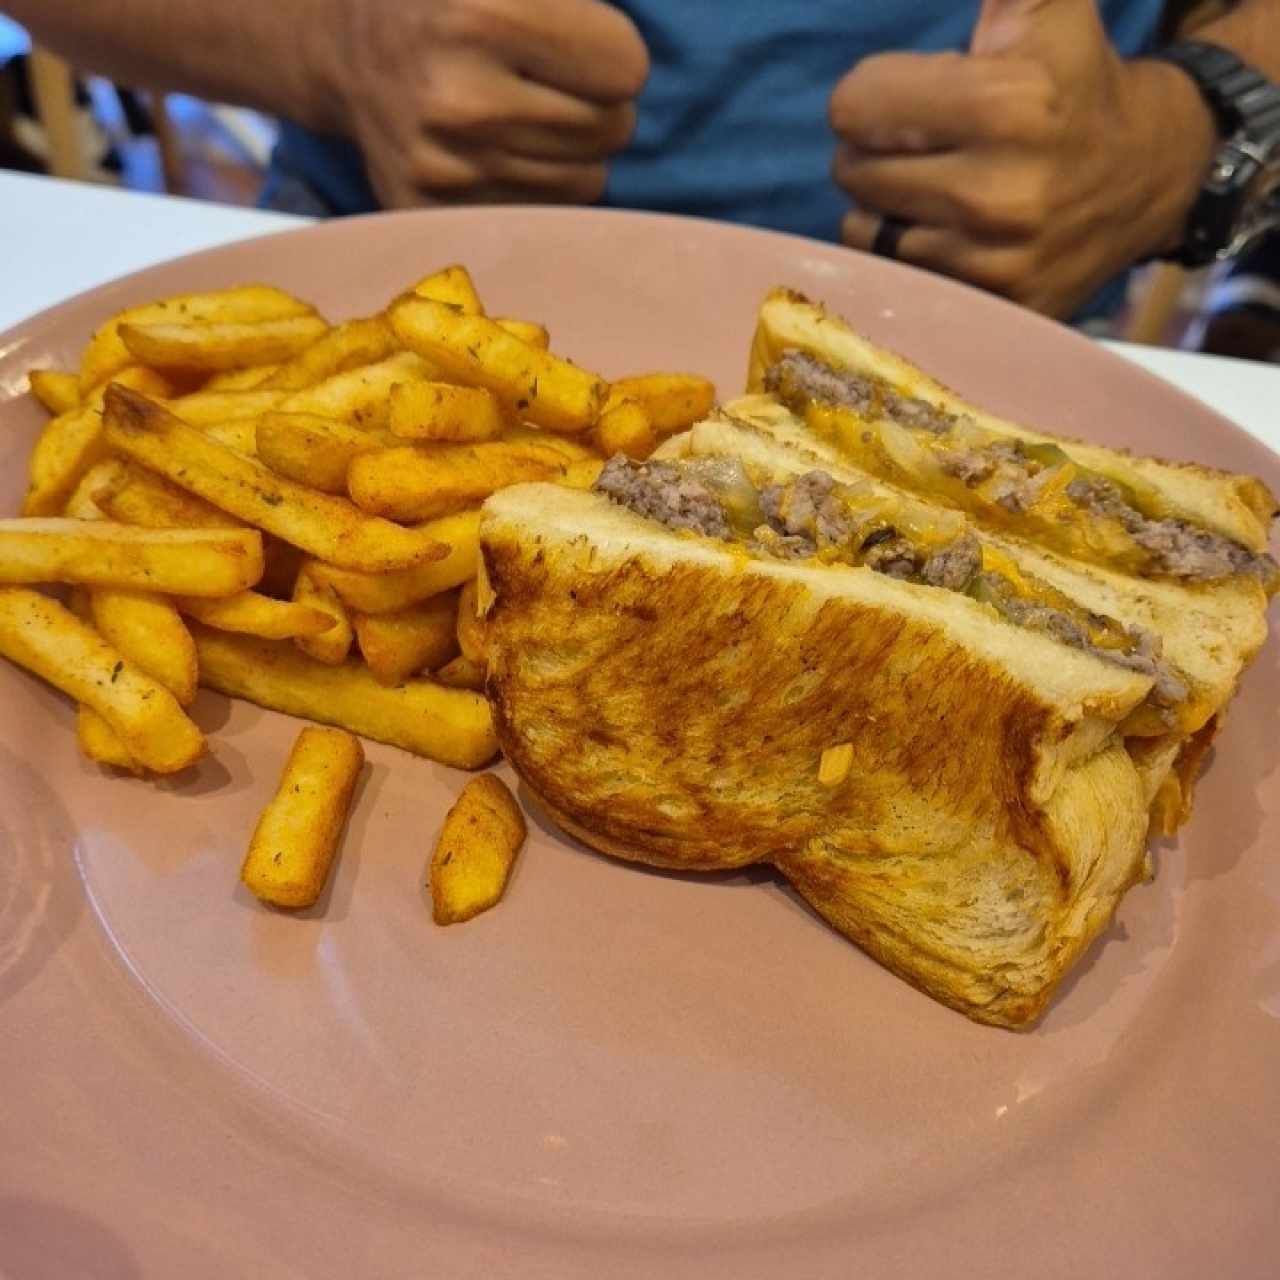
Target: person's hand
<point x="479" y="100"/>
<point x="1037" y="165"/>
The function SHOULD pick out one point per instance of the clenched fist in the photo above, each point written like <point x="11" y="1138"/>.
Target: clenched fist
<point x="479" y="100"/>
<point x="1036" y="165"/>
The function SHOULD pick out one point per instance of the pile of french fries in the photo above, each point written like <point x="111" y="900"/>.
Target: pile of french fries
<point x="243" y="496"/>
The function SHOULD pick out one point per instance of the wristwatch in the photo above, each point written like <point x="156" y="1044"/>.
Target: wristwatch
<point x="1240" y="199"/>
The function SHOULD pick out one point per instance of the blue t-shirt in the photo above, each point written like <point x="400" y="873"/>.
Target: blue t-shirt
<point x="732" y="122"/>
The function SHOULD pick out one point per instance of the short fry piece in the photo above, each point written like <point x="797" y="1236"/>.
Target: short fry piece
<point x="312" y="450"/>
<point x="398" y="645"/>
<point x="529" y="331"/>
<point x="297" y="836"/>
<point x="476" y="352"/>
<point x="384" y="592"/>
<point x="416" y="484"/>
<point x="253" y="614"/>
<point x="56" y="389"/>
<point x="454" y="287"/>
<point x="82" y="505"/>
<point x="99" y="742"/>
<point x="346" y="346"/>
<point x="441" y="411"/>
<point x="625" y="428"/>
<point x="332" y="645"/>
<point x="449" y="725"/>
<point x="67" y="448"/>
<point x="834" y="766"/>
<point x="472" y="862"/>
<point x="218" y="346"/>
<point x="673" y="401"/>
<point x="203" y="562"/>
<point x="148" y="631"/>
<point x="470" y="626"/>
<point x="325" y="526"/>
<point x="360" y="397"/>
<point x="461" y="673"/>
<point x="106" y="353"/>
<point x="39" y="634"/>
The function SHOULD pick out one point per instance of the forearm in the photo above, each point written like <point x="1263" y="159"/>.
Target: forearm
<point x="258" y="53"/>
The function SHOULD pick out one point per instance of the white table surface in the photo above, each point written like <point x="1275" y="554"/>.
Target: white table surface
<point x="60" y="238"/>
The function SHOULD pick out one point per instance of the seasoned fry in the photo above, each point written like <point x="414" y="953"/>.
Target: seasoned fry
<point x="420" y="638"/>
<point x="106" y="353"/>
<point x="332" y="645"/>
<point x="133" y="495"/>
<point x="472" y="862"/>
<point x="99" y="742"/>
<point x="569" y="449"/>
<point x="206" y="408"/>
<point x="249" y="379"/>
<point x="252" y="614"/>
<point x="454" y="287"/>
<point x="56" y="389"/>
<point x="360" y="397"/>
<point x="82" y="504"/>
<point x="673" y="401"/>
<point x="449" y="725"/>
<point x="71" y="444"/>
<point x="312" y="450"/>
<point x="384" y="592"/>
<point x="213" y="347"/>
<point x="476" y="352"/>
<point x="439" y="411"/>
<point x="325" y="526"/>
<point x="39" y="634"/>
<point x="470" y="626"/>
<point x="345" y="346"/>
<point x="297" y="836"/>
<point x="461" y="673"/>
<point x="625" y="428"/>
<point x="202" y="562"/>
<point x="417" y="484"/>
<point x="529" y="331"/>
<point x="238" y="434"/>
<point x="148" y="631"/>
<point x="581" y="475"/>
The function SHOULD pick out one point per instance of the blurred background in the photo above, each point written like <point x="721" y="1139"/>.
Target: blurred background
<point x="56" y="120"/>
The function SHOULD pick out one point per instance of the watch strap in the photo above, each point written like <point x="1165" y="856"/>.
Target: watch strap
<point x="1241" y="99"/>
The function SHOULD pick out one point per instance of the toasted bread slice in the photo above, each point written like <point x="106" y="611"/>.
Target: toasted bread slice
<point x="671" y="699"/>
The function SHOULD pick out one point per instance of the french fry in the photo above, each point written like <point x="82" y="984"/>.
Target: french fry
<point x="673" y="401"/>
<point x="294" y="843"/>
<point x="529" y="331"/>
<point x="253" y="614"/>
<point x="581" y="475"/>
<point x="148" y="631"/>
<point x="418" y="484"/>
<point x="385" y="592"/>
<point x="133" y="495"/>
<point x="471" y="638"/>
<point x="625" y="428"/>
<point x="472" y="862"/>
<point x="238" y="434"/>
<point x="56" y="389"/>
<point x="41" y="635"/>
<point x="106" y="353"/>
<point x="452" y="286"/>
<point x="569" y="449"/>
<point x="82" y="504"/>
<point x="452" y="726"/>
<point x="202" y="562"/>
<point x="398" y="645"/>
<point x="360" y="397"/>
<point x="325" y="526"/>
<point x="473" y="350"/>
<point x="249" y="379"/>
<point x="312" y="450"/>
<point x="461" y="673"/>
<point x="71" y="444"/>
<point x="332" y="645"/>
<point x="219" y="346"/>
<point x="440" y="411"/>
<point x="205" y="408"/>
<point x="99" y="742"/>
<point x="346" y="346"/>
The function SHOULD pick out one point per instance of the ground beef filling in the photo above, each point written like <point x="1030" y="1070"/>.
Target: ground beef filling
<point x="1176" y="548"/>
<point x="806" y="516"/>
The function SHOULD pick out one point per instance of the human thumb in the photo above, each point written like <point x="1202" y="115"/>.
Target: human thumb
<point x="1050" y="29"/>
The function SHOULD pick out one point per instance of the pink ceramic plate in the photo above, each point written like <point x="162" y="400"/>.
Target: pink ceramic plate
<point x="617" y="1072"/>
